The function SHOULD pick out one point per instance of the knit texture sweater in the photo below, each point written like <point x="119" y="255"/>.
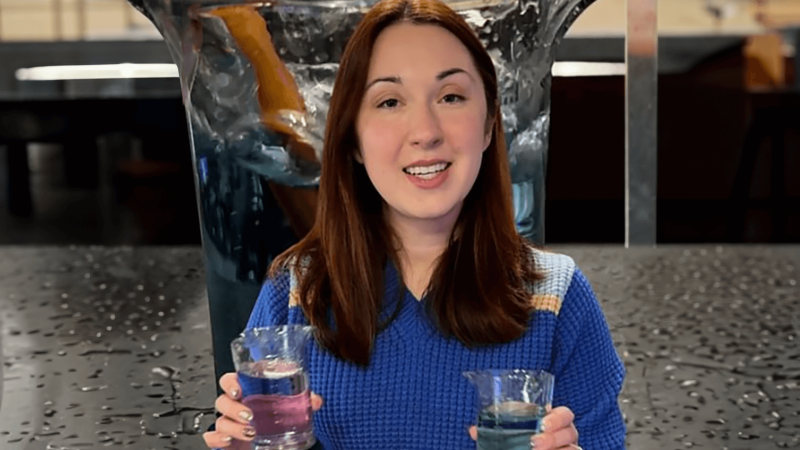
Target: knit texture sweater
<point x="413" y="396"/>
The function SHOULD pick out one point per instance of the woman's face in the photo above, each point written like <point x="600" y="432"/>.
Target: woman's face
<point x="422" y="123"/>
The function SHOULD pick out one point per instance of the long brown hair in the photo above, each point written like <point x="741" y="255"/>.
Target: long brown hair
<point x="477" y="292"/>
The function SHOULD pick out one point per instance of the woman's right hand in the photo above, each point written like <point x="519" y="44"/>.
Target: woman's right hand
<point x="233" y="430"/>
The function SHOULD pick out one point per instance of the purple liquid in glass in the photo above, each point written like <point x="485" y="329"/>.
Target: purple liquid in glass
<point x="277" y="393"/>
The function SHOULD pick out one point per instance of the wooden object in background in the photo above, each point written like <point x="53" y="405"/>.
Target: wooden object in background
<point x="277" y="93"/>
<point x="765" y="65"/>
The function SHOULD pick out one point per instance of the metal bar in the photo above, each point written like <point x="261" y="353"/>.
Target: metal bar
<point x="58" y="19"/>
<point x="82" y="19"/>
<point x="641" y="126"/>
<point x="797" y="57"/>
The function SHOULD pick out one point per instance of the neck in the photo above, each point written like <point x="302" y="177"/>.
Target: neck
<point x="422" y="241"/>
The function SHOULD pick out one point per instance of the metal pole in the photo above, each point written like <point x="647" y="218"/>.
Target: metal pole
<point x="58" y="18"/>
<point x="797" y="57"/>
<point x="641" y="126"/>
<point x="82" y="19"/>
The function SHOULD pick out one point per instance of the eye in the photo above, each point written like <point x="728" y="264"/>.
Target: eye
<point x="452" y="98"/>
<point x="388" y="103"/>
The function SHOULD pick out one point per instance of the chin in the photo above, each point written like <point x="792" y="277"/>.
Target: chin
<point x="432" y="213"/>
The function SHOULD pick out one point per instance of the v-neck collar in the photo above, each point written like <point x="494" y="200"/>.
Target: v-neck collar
<point x="412" y="315"/>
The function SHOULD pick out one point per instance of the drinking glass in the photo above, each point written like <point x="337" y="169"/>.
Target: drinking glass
<point x="271" y="366"/>
<point x="511" y="406"/>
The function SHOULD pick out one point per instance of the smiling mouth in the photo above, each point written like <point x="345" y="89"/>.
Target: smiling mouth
<point x="427" y="172"/>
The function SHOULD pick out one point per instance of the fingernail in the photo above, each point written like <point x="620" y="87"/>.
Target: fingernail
<point x="247" y="416"/>
<point x="235" y="393"/>
<point x="249" y="432"/>
<point x="533" y="445"/>
<point x="227" y="438"/>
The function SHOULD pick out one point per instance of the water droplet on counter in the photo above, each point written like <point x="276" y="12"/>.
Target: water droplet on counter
<point x="93" y="388"/>
<point x="745" y="436"/>
<point x="165" y="371"/>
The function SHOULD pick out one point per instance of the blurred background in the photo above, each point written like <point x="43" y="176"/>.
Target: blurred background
<point x="107" y="160"/>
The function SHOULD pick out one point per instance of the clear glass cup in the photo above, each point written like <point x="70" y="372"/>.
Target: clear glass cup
<point x="511" y="406"/>
<point x="271" y="367"/>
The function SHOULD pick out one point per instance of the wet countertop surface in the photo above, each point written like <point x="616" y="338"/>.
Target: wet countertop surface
<point x="111" y="347"/>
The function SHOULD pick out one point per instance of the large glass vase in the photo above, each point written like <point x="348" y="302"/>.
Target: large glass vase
<point x="256" y="79"/>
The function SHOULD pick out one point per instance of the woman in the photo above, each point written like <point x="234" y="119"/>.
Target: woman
<point x="414" y="272"/>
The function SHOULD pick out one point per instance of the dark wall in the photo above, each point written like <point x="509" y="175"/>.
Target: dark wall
<point x="704" y="116"/>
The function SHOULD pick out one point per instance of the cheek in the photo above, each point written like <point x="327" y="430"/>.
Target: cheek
<point x="378" y="134"/>
<point x="468" y="134"/>
<point x="378" y="146"/>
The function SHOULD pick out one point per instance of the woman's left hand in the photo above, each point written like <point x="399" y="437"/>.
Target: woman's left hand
<point x="559" y="433"/>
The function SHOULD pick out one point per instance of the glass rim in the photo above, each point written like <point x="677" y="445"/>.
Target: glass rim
<point x="504" y="372"/>
<point x="287" y="326"/>
<point x="255" y="332"/>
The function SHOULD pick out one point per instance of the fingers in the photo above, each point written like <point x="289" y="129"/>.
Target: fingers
<point x="228" y="404"/>
<point x="559" y="432"/>
<point x="235" y="430"/>
<point x="565" y="438"/>
<point x="215" y="439"/>
<point x="230" y="384"/>
<point x="233" y="410"/>
<point x="562" y="439"/>
<point x="558" y="418"/>
<point x="316" y="402"/>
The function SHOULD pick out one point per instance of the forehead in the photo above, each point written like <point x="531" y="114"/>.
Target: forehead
<point x="410" y="49"/>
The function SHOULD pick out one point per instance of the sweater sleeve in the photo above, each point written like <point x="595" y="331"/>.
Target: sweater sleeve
<point x="272" y="305"/>
<point x="588" y="372"/>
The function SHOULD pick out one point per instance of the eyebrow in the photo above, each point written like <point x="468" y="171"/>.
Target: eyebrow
<point x="439" y="77"/>
<point x="448" y="72"/>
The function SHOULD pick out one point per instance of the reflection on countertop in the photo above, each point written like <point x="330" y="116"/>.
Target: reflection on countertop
<point x="111" y="346"/>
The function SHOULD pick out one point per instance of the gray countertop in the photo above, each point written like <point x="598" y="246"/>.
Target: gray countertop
<point x="111" y="346"/>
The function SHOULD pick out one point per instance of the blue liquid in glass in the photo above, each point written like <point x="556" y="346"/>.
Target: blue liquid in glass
<point x="508" y="427"/>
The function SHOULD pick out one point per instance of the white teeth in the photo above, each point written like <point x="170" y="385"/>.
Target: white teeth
<point x="420" y="171"/>
<point x="427" y="176"/>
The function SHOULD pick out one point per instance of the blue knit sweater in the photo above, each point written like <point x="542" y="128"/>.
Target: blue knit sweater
<point x="413" y="396"/>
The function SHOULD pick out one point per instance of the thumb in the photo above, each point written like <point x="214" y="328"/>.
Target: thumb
<point x="316" y="402"/>
<point x="473" y="432"/>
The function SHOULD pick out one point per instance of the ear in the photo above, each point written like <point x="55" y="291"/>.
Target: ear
<point x="487" y="139"/>
<point x="358" y="157"/>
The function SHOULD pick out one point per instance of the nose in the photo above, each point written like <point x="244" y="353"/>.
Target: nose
<point x="425" y="129"/>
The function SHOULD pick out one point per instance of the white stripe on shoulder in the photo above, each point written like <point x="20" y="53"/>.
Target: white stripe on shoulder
<point x="557" y="270"/>
<point x="294" y="283"/>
